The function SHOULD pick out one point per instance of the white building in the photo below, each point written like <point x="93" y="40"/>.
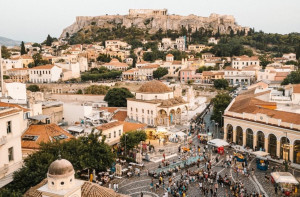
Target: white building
<point x="115" y="64"/>
<point x="178" y="43"/>
<point x="112" y="131"/>
<point x="290" y="56"/>
<point x="45" y="74"/>
<point x="115" y="45"/>
<point x="70" y="70"/>
<point x="239" y="62"/>
<point x="12" y="125"/>
<point x="16" y="92"/>
<point x="213" y="40"/>
<point x="11" y="63"/>
<point x="155" y="104"/>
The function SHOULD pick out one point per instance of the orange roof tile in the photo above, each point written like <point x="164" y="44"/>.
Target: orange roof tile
<point x="120" y="115"/>
<point x="109" y="125"/>
<point x="12" y="111"/>
<point x="48" y="66"/>
<point x="11" y="105"/>
<point x="45" y="132"/>
<point x="296" y="88"/>
<point x="130" y="126"/>
<point x="109" y="109"/>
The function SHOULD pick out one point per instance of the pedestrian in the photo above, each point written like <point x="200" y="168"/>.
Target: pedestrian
<point x="142" y="194"/>
<point x="164" y="156"/>
<point x="275" y="189"/>
<point x="117" y="189"/>
<point x="216" y="187"/>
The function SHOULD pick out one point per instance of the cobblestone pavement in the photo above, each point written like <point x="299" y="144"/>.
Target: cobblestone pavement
<point x="133" y="186"/>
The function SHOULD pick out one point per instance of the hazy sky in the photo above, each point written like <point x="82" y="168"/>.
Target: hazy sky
<point x="32" y="20"/>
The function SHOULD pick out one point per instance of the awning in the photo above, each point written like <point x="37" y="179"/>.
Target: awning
<point x="260" y="153"/>
<point x="76" y="129"/>
<point x="39" y="117"/>
<point x="218" y="143"/>
<point x="284" y="177"/>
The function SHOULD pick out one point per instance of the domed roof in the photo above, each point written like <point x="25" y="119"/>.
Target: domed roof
<point x="60" y="167"/>
<point x="154" y="86"/>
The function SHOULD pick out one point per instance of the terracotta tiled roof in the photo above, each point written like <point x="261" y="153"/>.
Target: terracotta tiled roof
<point x="170" y="55"/>
<point x="130" y="126"/>
<point x="282" y="74"/>
<point x="131" y="70"/>
<point x="11" y="105"/>
<point x="230" y="68"/>
<point x="15" y="69"/>
<point x="249" y="104"/>
<point x="109" y="109"/>
<point x="246" y="58"/>
<point x="116" y="63"/>
<point x="109" y="125"/>
<point x="49" y="66"/>
<point x="120" y="115"/>
<point x="88" y="189"/>
<point x="150" y="66"/>
<point x="12" y="111"/>
<point x="45" y="132"/>
<point x="207" y="73"/>
<point x="176" y="62"/>
<point x="154" y="86"/>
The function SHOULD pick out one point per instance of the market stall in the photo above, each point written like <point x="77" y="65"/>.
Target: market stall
<point x="262" y="162"/>
<point x="218" y="143"/>
<point x="286" y="182"/>
<point x="239" y="157"/>
<point x="204" y="137"/>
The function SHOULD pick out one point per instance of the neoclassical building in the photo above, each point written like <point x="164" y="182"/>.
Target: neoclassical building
<point x="155" y="104"/>
<point x="253" y="121"/>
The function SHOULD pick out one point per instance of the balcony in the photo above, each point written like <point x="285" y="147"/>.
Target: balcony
<point x="3" y="140"/>
<point x="4" y="170"/>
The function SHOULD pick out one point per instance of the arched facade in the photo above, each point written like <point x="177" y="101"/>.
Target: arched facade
<point x="296" y="158"/>
<point x="272" y="149"/>
<point x="249" y="138"/>
<point x="284" y="148"/>
<point x="239" y="135"/>
<point x="260" y="140"/>
<point x="229" y="133"/>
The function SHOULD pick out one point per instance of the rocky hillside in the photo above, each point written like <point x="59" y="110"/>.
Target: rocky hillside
<point x="8" y="42"/>
<point x="222" y="23"/>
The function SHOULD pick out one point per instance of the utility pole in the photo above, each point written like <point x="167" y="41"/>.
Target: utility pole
<point x="1" y="72"/>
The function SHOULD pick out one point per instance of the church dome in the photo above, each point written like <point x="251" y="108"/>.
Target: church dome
<point x="61" y="167"/>
<point x="154" y="86"/>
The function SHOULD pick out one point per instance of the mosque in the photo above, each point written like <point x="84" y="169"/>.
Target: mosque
<point x="61" y="182"/>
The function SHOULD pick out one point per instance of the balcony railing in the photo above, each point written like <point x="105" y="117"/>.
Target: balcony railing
<point x="3" y="140"/>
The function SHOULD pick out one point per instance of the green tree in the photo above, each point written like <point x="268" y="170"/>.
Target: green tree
<point x="133" y="138"/>
<point x="293" y="78"/>
<point x="5" y="53"/>
<point x="33" y="88"/>
<point x="264" y="60"/>
<point x="38" y="60"/>
<point x="85" y="152"/>
<point x="220" y="103"/>
<point x="117" y="97"/>
<point x="221" y="84"/>
<point x="23" y="50"/>
<point x="160" y="72"/>
<point x="49" y="40"/>
<point x="103" y="58"/>
<point x="96" y="89"/>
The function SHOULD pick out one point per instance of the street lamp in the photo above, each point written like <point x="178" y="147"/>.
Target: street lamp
<point x="125" y="142"/>
<point x="217" y="124"/>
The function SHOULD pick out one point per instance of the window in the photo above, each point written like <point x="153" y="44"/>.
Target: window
<point x="8" y="127"/>
<point x="147" y="111"/>
<point x="62" y="183"/>
<point x="115" y="134"/>
<point x="155" y="97"/>
<point x="119" y="132"/>
<point x="109" y="135"/>
<point x="151" y="112"/>
<point x="11" y="154"/>
<point x="136" y="109"/>
<point x="142" y="110"/>
<point x="131" y="108"/>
